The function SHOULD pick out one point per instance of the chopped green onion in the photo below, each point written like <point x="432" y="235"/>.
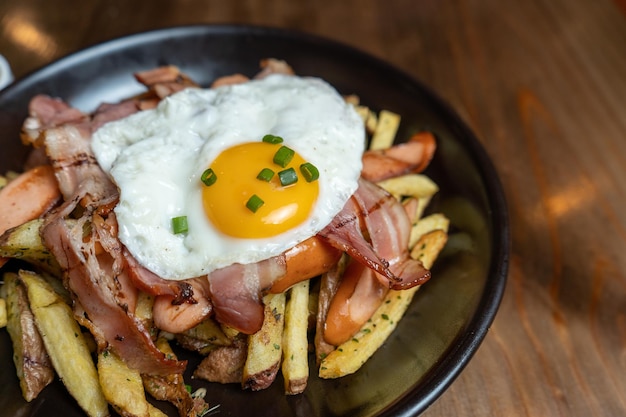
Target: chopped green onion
<point x="208" y="177"/>
<point x="288" y="177"/>
<point x="309" y="171"/>
<point x="254" y="203"/>
<point x="179" y="224"/>
<point x="266" y="175"/>
<point x="283" y="156"/>
<point x="273" y="139"/>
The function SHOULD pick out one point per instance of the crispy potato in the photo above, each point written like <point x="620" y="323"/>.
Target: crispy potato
<point x="386" y="128"/>
<point x="351" y="355"/>
<point x="34" y="368"/>
<point x="204" y="337"/>
<point x="230" y="332"/>
<point x="295" y="366"/>
<point x="3" y="313"/>
<point x="65" y="344"/>
<point x="172" y="387"/>
<point x="265" y="346"/>
<point x="412" y="185"/>
<point x="370" y="119"/>
<point x="143" y="308"/>
<point x="155" y="412"/>
<point x="23" y="242"/>
<point x="122" y="386"/>
<point x="436" y="221"/>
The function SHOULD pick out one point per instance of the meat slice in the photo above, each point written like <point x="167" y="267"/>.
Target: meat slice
<point x="410" y="157"/>
<point x="373" y="228"/>
<point x="236" y="292"/>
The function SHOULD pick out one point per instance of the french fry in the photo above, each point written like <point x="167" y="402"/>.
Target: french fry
<point x="230" y="332"/>
<point x="34" y="369"/>
<point x="172" y="387"/>
<point x="435" y="221"/>
<point x="122" y="386"/>
<point x="24" y="242"/>
<point x="155" y="412"/>
<point x="3" y="313"/>
<point x="265" y="346"/>
<point x="351" y="355"/>
<point x="411" y="185"/>
<point x="370" y="119"/>
<point x="386" y="128"/>
<point x="204" y="337"/>
<point x="65" y="344"/>
<point x="295" y="366"/>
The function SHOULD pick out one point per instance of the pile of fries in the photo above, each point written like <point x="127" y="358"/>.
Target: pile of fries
<point x="47" y="339"/>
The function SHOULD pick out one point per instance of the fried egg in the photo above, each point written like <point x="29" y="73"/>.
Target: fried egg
<point x="199" y="157"/>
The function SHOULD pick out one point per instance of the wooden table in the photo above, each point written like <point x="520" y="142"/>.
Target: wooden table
<point x="543" y="84"/>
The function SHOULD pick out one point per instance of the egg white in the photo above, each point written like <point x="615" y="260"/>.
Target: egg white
<point x="156" y="157"/>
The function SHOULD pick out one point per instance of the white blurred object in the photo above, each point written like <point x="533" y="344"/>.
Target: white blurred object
<point x="6" y="76"/>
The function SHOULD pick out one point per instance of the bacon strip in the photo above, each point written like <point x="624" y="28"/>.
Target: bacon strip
<point x="153" y="284"/>
<point x="46" y="112"/>
<point x="385" y="220"/>
<point x="104" y="300"/>
<point x="164" y="81"/>
<point x="111" y="321"/>
<point x="236" y="292"/>
<point x="271" y="66"/>
<point x="75" y="166"/>
<point x="108" y="112"/>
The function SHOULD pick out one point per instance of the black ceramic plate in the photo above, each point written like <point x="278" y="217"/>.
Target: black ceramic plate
<point x="450" y="314"/>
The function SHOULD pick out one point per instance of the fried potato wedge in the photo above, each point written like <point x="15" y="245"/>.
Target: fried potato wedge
<point x="172" y="388"/>
<point x="370" y="119"/>
<point x="33" y="365"/>
<point x="3" y="313"/>
<point x="122" y="386"/>
<point x="65" y="344"/>
<point x="351" y="355"/>
<point x="295" y="367"/>
<point x="204" y="337"/>
<point x="436" y="221"/>
<point x="24" y="242"/>
<point x="265" y="346"/>
<point x="412" y="185"/>
<point x="386" y="129"/>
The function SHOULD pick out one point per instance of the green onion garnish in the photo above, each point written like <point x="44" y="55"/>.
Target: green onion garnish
<point x="272" y="139"/>
<point x="309" y="171"/>
<point x="283" y="156"/>
<point x="179" y="224"/>
<point x="208" y="177"/>
<point x="254" y="203"/>
<point x="266" y="175"/>
<point x="288" y="177"/>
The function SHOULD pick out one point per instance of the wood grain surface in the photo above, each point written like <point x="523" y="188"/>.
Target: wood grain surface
<point x="543" y="85"/>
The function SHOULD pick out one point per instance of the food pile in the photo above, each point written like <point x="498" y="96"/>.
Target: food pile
<point x="254" y="222"/>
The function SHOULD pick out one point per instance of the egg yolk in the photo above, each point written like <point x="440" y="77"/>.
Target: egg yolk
<point x="282" y="208"/>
